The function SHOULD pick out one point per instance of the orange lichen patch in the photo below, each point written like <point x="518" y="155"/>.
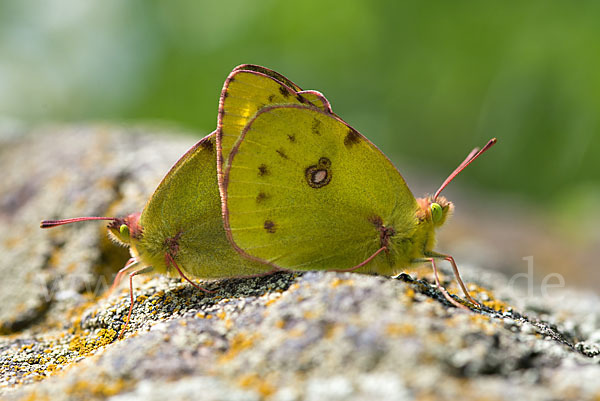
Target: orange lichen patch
<point x="239" y="343"/>
<point x="338" y="281"/>
<point x="280" y="324"/>
<point x="85" y="346"/>
<point x="257" y="383"/>
<point x="222" y="315"/>
<point x="400" y="329"/>
<point x="100" y="388"/>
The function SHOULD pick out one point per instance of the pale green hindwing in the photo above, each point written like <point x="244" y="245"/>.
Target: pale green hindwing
<point x="305" y="191"/>
<point x="186" y="206"/>
<point x="248" y="89"/>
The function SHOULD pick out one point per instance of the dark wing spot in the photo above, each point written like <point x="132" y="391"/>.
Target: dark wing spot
<point x="281" y="153"/>
<point x="263" y="170"/>
<point x="231" y="79"/>
<point x="270" y="227"/>
<point x="292" y="137"/>
<point x="377" y="221"/>
<point x="318" y="176"/>
<point x="225" y="95"/>
<point x="352" y="138"/>
<point x="316" y="127"/>
<point x="284" y="92"/>
<point x="271" y="98"/>
<point x="221" y="113"/>
<point x="261" y="197"/>
<point x="301" y="99"/>
<point x="207" y="145"/>
<point x="324" y="163"/>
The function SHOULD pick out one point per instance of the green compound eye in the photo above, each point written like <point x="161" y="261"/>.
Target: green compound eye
<point x="124" y="230"/>
<point x="436" y="212"/>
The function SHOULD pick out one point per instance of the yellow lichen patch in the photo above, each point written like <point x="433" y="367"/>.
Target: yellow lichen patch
<point x="271" y="301"/>
<point x="11" y="242"/>
<point x="483" y="323"/>
<point x="338" y="281"/>
<point x="296" y="332"/>
<point x="101" y="388"/>
<point x="491" y="301"/>
<point x="239" y="343"/>
<point x="221" y="315"/>
<point x="331" y="330"/>
<point x="85" y="346"/>
<point x="311" y="314"/>
<point x="255" y="382"/>
<point x="410" y="293"/>
<point x="400" y="329"/>
<point x="35" y="396"/>
<point x="280" y="324"/>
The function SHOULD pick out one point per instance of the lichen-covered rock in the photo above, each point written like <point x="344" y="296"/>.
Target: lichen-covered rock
<point x="311" y="336"/>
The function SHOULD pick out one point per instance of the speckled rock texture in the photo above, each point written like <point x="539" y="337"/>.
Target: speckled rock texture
<point x="285" y="337"/>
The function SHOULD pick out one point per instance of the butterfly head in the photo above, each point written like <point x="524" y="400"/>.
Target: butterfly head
<point x="123" y="230"/>
<point x="434" y="210"/>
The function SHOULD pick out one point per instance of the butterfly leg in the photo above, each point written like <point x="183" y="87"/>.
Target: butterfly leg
<point x="364" y="262"/>
<point x="456" y="274"/>
<point x="170" y="261"/>
<point x="437" y="282"/>
<point x="142" y="270"/>
<point x="131" y="263"/>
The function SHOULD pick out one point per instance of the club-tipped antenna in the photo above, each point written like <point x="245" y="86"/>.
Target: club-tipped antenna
<point x="55" y="223"/>
<point x="475" y="153"/>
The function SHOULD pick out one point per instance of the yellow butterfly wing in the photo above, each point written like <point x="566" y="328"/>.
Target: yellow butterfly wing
<point x="248" y="89"/>
<point x="185" y="211"/>
<point x="305" y="191"/>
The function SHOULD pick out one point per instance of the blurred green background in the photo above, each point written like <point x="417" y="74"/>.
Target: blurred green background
<point x="426" y="81"/>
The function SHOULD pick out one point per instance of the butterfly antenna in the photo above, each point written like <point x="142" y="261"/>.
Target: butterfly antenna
<point x="475" y="153"/>
<point x="54" y="223"/>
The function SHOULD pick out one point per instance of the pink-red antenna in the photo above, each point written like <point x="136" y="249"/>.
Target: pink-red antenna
<point x="54" y="223"/>
<point x="475" y="153"/>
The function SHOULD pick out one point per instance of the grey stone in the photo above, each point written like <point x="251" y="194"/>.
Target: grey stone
<point x="288" y="336"/>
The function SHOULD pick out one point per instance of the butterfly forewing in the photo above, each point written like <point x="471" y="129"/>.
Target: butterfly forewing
<point x="185" y="211"/>
<point x="306" y="191"/>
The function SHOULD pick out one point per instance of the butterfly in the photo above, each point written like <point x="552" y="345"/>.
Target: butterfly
<point x="282" y="184"/>
<point x="180" y="229"/>
<point x="303" y="190"/>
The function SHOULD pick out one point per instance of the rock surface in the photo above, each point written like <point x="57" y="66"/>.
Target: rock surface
<point x="310" y="336"/>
